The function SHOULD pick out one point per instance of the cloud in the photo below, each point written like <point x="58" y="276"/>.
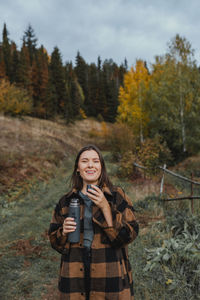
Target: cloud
<point x="109" y="28"/>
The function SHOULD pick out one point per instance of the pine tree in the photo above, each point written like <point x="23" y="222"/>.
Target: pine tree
<point x="43" y="75"/>
<point x="58" y="80"/>
<point x="111" y="86"/>
<point x="30" y="41"/>
<point x="93" y="89"/>
<point x="75" y="93"/>
<point x="14" y="64"/>
<point x="81" y="71"/>
<point x="6" y="51"/>
<point x="23" y="76"/>
<point x="2" y="65"/>
<point x="50" y="99"/>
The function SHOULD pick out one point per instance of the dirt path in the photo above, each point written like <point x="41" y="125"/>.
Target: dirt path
<point x="28" y="264"/>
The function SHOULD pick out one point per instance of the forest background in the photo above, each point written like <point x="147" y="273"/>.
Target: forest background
<point x="159" y="103"/>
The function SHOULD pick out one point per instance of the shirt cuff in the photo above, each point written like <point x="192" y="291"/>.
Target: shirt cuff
<point x="62" y="239"/>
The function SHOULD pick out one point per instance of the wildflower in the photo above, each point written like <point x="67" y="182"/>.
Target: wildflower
<point x="169" y="281"/>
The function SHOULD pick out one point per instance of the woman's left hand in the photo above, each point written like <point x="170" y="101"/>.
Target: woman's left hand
<point x="97" y="196"/>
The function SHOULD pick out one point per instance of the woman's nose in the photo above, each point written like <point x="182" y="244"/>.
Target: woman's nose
<point x="90" y="163"/>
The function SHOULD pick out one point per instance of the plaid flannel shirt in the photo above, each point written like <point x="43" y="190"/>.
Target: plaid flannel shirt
<point x="111" y="276"/>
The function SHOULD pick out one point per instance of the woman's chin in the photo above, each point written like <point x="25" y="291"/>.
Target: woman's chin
<point x="91" y="181"/>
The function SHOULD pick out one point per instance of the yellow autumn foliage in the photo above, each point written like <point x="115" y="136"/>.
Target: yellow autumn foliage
<point x="14" y="100"/>
<point x="82" y="113"/>
<point x="132" y="98"/>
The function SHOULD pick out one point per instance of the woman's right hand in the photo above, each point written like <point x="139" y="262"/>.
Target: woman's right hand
<point x="69" y="225"/>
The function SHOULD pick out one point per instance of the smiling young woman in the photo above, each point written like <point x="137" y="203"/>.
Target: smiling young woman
<point x="97" y="267"/>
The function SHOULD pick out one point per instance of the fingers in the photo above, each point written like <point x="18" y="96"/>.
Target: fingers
<point x="95" y="190"/>
<point x="97" y="196"/>
<point x="69" y="225"/>
<point x="93" y="195"/>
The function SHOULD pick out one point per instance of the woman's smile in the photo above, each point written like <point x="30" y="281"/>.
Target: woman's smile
<point x="90" y="172"/>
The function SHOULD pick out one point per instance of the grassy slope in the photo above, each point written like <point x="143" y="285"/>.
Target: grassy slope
<point x="33" y="147"/>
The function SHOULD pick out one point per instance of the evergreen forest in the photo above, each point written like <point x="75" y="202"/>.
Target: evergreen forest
<point x="158" y="102"/>
<point x="55" y="88"/>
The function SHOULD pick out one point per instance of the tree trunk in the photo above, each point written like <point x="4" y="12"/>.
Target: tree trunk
<point x="141" y="127"/>
<point x="182" y="114"/>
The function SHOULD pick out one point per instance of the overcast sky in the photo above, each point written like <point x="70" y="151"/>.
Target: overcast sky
<point x="110" y="28"/>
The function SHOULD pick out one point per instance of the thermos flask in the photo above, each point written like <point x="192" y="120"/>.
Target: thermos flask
<point x="74" y="212"/>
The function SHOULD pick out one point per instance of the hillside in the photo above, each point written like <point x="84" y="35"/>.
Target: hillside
<point x="36" y="165"/>
<point x="32" y="147"/>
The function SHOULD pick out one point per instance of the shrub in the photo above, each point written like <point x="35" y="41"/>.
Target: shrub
<point x="13" y="100"/>
<point x="120" y="140"/>
<point x="154" y="153"/>
<point x="177" y="260"/>
<point x="82" y="114"/>
<point x="126" y="165"/>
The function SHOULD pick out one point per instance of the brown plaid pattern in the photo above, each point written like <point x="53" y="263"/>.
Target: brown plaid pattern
<point x="111" y="276"/>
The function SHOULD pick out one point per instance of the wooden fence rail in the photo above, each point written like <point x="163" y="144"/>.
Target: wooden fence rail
<point x="165" y="170"/>
<point x="169" y="172"/>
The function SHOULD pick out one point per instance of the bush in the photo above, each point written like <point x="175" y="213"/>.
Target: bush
<point x="13" y="100"/>
<point x="126" y="165"/>
<point x="177" y="260"/>
<point x="153" y="153"/>
<point x="120" y="140"/>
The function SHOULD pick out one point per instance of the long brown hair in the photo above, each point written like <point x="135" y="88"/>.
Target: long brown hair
<point x="76" y="179"/>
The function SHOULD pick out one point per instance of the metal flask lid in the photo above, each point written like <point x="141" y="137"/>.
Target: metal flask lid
<point x="74" y="202"/>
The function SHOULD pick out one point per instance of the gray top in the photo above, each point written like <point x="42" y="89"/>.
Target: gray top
<point x="88" y="227"/>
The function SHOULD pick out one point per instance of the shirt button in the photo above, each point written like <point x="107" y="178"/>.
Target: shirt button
<point x="81" y="269"/>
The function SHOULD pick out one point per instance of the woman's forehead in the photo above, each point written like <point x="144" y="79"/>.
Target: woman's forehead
<point x="89" y="154"/>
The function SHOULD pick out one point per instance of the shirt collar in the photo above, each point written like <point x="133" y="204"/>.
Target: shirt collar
<point x="105" y="189"/>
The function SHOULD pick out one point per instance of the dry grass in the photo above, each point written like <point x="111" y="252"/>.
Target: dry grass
<point x="141" y="188"/>
<point x="34" y="147"/>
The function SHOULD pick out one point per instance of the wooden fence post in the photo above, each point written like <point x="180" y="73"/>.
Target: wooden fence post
<point x="192" y="201"/>
<point x="162" y="180"/>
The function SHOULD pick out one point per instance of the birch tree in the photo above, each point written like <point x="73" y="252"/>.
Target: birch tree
<point x="174" y="98"/>
<point x="181" y="52"/>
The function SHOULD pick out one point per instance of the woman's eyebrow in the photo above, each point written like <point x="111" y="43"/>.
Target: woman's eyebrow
<point x="93" y="158"/>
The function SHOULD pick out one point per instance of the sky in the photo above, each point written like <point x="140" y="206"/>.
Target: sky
<point x="117" y="29"/>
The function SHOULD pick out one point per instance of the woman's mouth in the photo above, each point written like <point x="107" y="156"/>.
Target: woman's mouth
<point x="90" y="172"/>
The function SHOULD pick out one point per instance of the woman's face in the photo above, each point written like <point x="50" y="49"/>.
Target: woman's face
<point x="89" y="166"/>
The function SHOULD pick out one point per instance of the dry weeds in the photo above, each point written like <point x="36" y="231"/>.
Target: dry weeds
<point x="34" y="147"/>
